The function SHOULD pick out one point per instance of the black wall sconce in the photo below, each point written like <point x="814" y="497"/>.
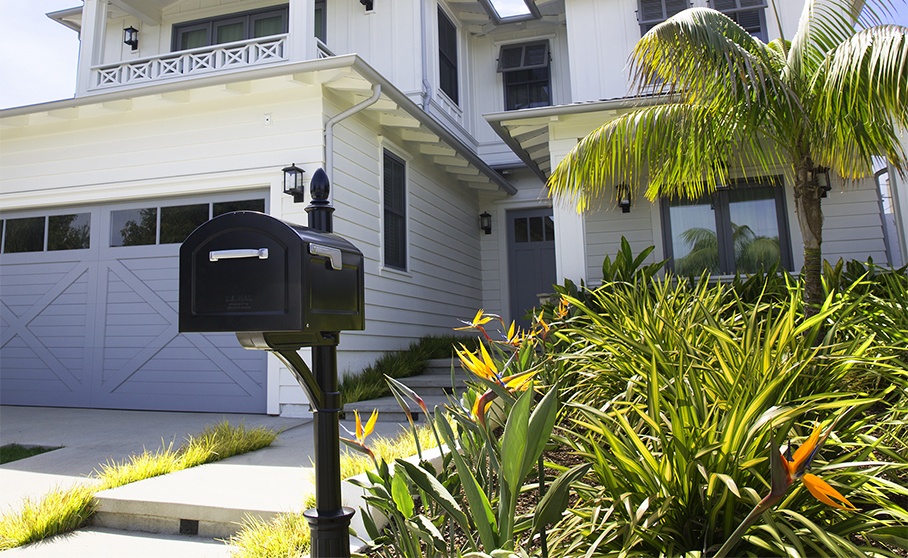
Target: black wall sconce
<point x="367" y="4"/>
<point x="131" y="37"/>
<point x="823" y="182"/>
<point x="485" y="222"/>
<point x="293" y="183"/>
<point x="624" y="197"/>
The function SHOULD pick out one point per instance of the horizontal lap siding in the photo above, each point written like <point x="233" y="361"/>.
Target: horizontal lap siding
<point x="604" y="230"/>
<point x="442" y="284"/>
<point x="853" y="226"/>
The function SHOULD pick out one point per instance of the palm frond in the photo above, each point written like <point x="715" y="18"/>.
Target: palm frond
<point x="709" y="59"/>
<point x="864" y="80"/>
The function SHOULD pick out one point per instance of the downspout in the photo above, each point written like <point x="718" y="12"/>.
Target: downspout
<point x="329" y="129"/>
<point x="425" y="57"/>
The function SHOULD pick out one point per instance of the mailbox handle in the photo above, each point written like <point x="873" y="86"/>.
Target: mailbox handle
<point x="334" y="255"/>
<point x="260" y="253"/>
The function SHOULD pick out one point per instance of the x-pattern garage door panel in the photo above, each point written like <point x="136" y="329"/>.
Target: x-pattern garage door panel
<point x="45" y="334"/>
<point x="147" y="364"/>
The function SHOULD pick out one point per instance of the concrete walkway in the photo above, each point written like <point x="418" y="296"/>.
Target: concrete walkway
<point x="213" y="497"/>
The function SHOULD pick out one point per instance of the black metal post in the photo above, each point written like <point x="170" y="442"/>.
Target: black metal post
<point x="329" y="521"/>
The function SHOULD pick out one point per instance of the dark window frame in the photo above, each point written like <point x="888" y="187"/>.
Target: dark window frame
<point x="394" y="211"/>
<point x="744" y="8"/>
<point x="533" y="78"/>
<point x="448" y="78"/>
<point x="719" y="202"/>
<point x="647" y="23"/>
<point x="211" y="24"/>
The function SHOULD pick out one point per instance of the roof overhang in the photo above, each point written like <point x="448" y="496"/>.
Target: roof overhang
<point x="528" y="131"/>
<point x="348" y="76"/>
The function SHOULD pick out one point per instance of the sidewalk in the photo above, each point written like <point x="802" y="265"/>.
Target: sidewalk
<point x="216" y="496"/>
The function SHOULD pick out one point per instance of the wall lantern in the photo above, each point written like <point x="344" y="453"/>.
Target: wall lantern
<point x="485" y="222"/>
<point x="823" y="182"/>
<point x="293" y="183"/>
<point x="368" y="4"/>
<point x="131" y="37"/>
<point x="624" y="197"/>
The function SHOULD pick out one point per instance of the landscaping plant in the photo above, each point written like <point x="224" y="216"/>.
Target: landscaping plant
<point x="676" y="391"/>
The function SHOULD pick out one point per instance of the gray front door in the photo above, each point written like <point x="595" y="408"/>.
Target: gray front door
<point x="531" y="258"/>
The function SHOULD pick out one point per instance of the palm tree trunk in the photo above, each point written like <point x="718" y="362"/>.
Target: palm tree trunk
<point x="810" y="220"/>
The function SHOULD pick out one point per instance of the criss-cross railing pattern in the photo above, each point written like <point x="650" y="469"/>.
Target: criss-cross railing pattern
<point x="192" y="62"/>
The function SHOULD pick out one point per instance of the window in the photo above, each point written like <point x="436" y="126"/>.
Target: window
<point x="230" y="28"/>
<point x="749" y="14"/>
<point x="738" y="229"/>
<point x="395" y="211"/>
<point x="321" y="21"/>
<point x="651" y="13"/>
<point x="63" y="232"/>
<point x="447" y="56"/>
<point x="525" y="71"/>
<point x="142" y="227"/>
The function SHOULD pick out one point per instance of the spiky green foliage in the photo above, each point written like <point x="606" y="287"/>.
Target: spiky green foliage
<point x="677" y="390"/>
<point x="60" y="511"/>
<point x="833" y="97"/>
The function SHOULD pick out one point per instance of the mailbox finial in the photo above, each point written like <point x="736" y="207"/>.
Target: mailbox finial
<point x="319" y="208"/>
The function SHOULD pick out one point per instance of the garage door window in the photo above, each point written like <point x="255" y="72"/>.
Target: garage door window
<point x="63" y="232"/>
<point x="140" y="227"/>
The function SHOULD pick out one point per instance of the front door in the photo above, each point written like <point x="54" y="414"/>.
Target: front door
<point x="531" y="259"/>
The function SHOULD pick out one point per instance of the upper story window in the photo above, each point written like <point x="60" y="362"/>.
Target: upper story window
<point x="651" y="13"/>
<point x="230" y="28"/>
<point x="742" y="228"/>
<point x="394" y="178"/>
<point x="447" y="56"/>
<point x="749" y="14"/>
<point x="321" y="21"/>
<point x="526" y="75"/>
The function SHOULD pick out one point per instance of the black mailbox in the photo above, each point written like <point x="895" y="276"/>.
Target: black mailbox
<point x="275" y="284"/>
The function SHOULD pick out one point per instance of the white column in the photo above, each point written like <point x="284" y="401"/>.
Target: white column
<point x="570" y="243"/>
<point x="91" y="39"/>
<point x="301" y="27"/>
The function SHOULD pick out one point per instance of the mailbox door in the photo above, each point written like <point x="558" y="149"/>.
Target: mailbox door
<point x="242" y="277"/>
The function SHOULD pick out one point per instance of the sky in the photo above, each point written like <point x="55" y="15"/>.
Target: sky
<point x="38" y="56"/>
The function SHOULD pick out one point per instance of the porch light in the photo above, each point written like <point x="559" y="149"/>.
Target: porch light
<point x="293" y="183"/>
<point x="131" y="37"/>
<point x="624" y="197"/>
<point x="485" y="222"/>
<point x="823" y="182"/>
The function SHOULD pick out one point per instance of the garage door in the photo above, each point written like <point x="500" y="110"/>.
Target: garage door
<point x="88" y="314"/>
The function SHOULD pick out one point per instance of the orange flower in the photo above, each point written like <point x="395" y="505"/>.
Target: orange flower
<point x="481" y="365"/>
<point x="363" y="432"/>
<point x="796" y="469"/>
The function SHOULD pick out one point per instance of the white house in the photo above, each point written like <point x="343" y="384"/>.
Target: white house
<point x="425" y="114"/>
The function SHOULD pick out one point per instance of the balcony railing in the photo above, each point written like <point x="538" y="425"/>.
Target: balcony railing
<point x="185" y="63"/>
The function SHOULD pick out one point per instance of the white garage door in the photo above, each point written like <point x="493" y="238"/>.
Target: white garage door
<point x="88" y="313"/>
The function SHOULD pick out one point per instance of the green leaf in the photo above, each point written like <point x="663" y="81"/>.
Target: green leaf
<point x="401" y="494"/>
<point x="555" y="500"/>
<point x="480" y="507"/>
<point x="514" y="441"/>
<point x="434" y="489"/>
<point x="541" y="423"/>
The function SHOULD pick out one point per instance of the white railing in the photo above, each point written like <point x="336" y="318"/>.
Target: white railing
<point x="197" y="61"/>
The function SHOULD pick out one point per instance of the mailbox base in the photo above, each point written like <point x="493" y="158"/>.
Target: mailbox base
<point x="330" y="532"/>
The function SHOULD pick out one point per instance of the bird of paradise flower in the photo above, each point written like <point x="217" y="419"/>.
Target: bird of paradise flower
<point x="785" y="470"/>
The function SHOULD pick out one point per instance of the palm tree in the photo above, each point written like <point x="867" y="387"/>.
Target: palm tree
<point x="834" y="96"/>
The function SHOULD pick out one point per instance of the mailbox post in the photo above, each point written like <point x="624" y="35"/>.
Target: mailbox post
<point x="280" y="287"/>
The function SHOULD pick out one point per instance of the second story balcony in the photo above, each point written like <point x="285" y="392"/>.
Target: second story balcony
<point x="189" y="63"/>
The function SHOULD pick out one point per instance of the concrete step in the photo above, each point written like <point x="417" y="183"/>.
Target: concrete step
<point x="212" y="500"/>
<point x="98" y="542"/>
<point x="390" y="411"/>
<point x="441" y="366"/>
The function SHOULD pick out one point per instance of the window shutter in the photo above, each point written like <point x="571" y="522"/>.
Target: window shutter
<point x="528" y="56"/>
